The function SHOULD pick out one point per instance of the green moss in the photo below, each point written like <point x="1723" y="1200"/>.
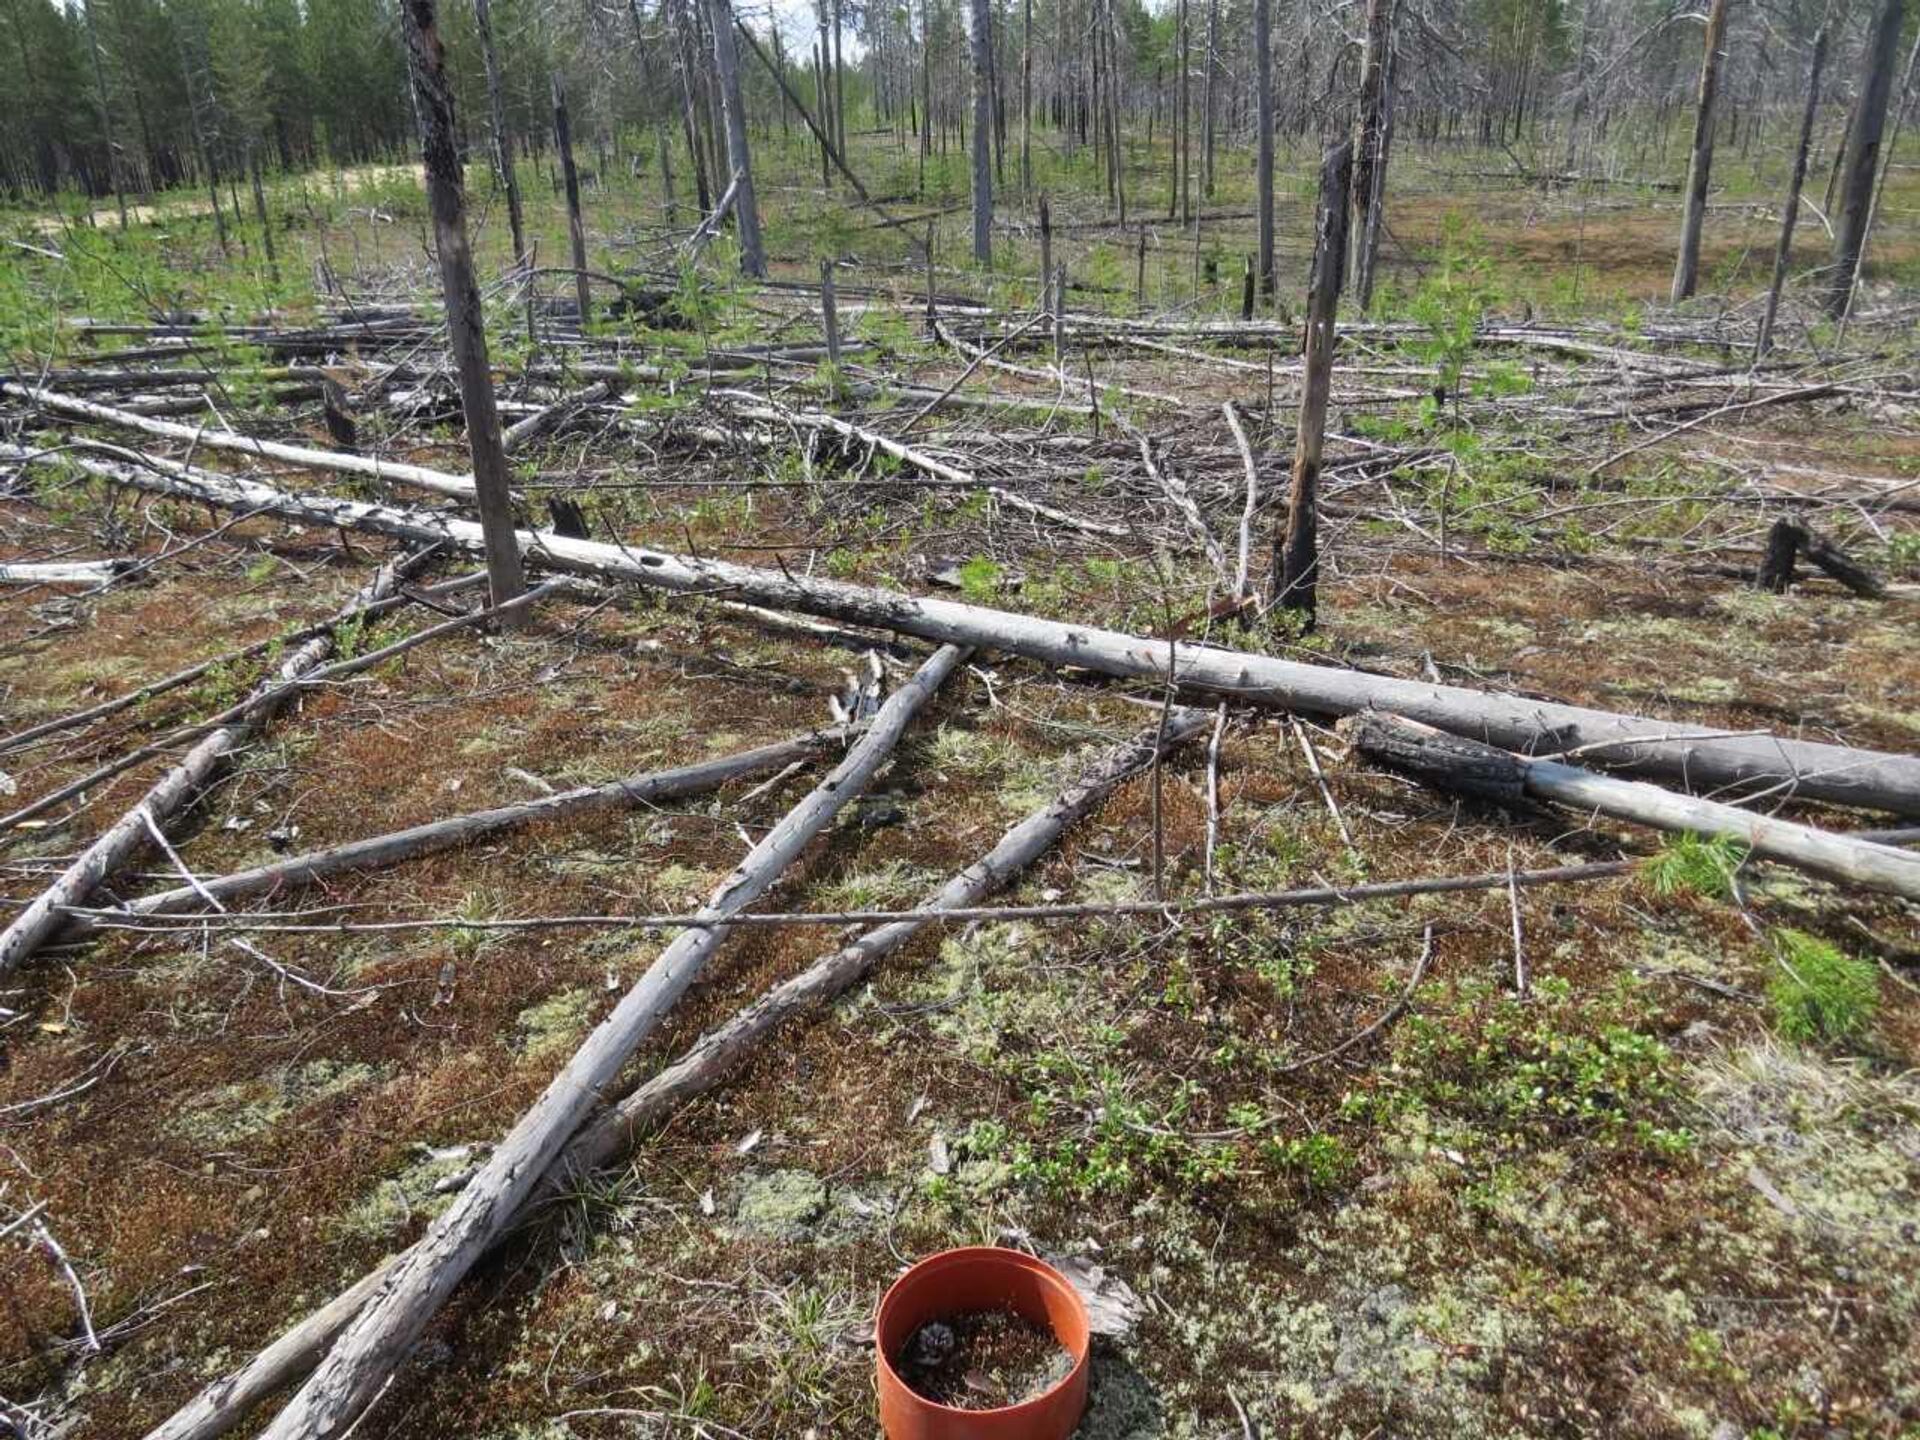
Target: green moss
<point x="782" y="1204"/>
<point x="247" y="1108"/>
<point x="397" y="1199"/>
<point x="554" y="1023"/>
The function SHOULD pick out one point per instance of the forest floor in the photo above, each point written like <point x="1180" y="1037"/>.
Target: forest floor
<point x="1629" y="1197"/>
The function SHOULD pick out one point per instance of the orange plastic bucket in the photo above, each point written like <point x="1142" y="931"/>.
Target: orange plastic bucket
<point x="981" y="1277"/>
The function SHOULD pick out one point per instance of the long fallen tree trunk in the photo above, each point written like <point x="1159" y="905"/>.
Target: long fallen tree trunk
<point x="1489" y="773"/>
<point x="365" y="1357"/>
<point x="1807" y="769"/>
<point x="224" y="1404"/>
<point x="436" y="835"/>
<point x="133" y="831"/>
<point x="419" y="477"/>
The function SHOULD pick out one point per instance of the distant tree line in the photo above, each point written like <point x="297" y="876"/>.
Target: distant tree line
<point x="139" y="95"/>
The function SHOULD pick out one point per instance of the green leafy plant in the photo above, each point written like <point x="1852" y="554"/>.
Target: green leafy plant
<point x="1690" y="864"/>
<point x="1820" y="993"/>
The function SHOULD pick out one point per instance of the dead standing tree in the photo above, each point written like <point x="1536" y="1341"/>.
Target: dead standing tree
<point x="733" y="113"/>
<point x="570" y="177"/>
<point x="1783" y="252"/>
<point x="1861" y="160"/>
<point x="1369" y="148"/>
<point x="1263" y="143"/>
<point x="446" y="198"/>
<point x="982" y="134"/>
<point x="502" y="135"/>
<point x="1296" y="567"/>
<point x="1686" y="268"/>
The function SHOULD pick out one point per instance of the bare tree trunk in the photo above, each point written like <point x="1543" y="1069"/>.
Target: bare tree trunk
<point x="982" y="137"/>
<point x="839" y="83"/>
<point x="1369" y="144"/>
<point x="200" y="144"/>
<point x="1879" y="189"/>
<point x="1297" y="567"/>
<point x="502" y="134"/>
<point x="260" y="211"/>
<point x="570" y="177"/>
<point x="668" y="202"/>
<point x="1862" y="161"/>
<point x="1369" y="244"/>
<point x="1026" y="100"/>
<point x="1207" y="105"/>
<point x="726" y="60"/>
<point x="1686" y="268"/>
<point x="689" y="106"/>
<point x="446" y="198"/>
<point x="1263" y="142"/>
<point x="106" y="115"/>
<point x="1783" y="252"/>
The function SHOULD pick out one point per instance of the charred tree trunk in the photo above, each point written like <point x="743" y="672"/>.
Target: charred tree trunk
<point x="570" y="177"/>
<point x="1783" y="252"/>
<point x="502" y="135"/>
<point x="1686" y="268"/>
<point x="446" y="198"/>
<point x="1862" y="162"/>
<point x="1297" y="563"/>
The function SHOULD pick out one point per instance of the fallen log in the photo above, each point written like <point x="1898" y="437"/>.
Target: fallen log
<point x="522" y="432"/>
<point x="755" y="408"/>
<point x="1808" y="769"/>
<point x="226" y="1402"/>
<point x="131" y="833"/>
<point x="418" y="477"/>
<point x="1450" y="762"/>
<point x="366" y="1356"/>
<point x="436" y="835"/>
<point x="63" y="572"/>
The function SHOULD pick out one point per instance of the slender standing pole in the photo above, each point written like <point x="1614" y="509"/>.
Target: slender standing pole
<point x="570" y="175"/>
<point x="1783" y="251"/>
<point x="982" y="138"/>
<point x="502" y="135"/>
<point x="733" y="114"/>
<point x="1862" y="154"/>
<point x="446" y="198"/>
<point x="1263" y="147"/>
<point x="1297" y="565"/>
<point x="1686" y="267"/>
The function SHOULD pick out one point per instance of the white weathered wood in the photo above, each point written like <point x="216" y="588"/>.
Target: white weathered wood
<point x="1489" y="772"/>
<point x="436" y="835"/>
<point x="62" y="572"/>
<point x="130" y="834"/>
<point x="417" y="477"/>
<point x="1818" y="852"/>
<point x="224" y="1404"/>
<point x="365" y="1357"/>
<point x="1637" y="744"/>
